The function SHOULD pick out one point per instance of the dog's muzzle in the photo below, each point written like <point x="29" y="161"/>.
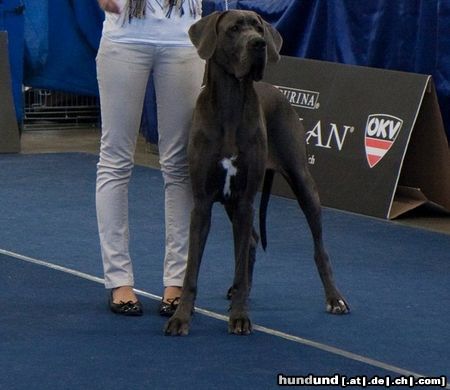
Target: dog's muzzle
<point x="257" y="57"/>
<point x="257" y="45"/>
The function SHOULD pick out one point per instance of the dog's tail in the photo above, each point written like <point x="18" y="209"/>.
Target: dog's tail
<point x="265" y="195"/>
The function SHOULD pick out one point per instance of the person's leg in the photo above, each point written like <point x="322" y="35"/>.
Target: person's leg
<point x="178" y="74"/>
<point x="122" y="72"/>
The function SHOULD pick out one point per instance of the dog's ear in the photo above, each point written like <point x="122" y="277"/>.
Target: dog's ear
<point x="203" y="35"/>
<point x="274" y="42"/>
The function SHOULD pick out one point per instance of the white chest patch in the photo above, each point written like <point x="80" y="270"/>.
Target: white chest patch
<point x="231" y="170"/>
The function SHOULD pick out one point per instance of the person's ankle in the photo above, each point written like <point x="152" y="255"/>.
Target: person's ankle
<point x="123" y="294"/>
<point x="171" y="292"/>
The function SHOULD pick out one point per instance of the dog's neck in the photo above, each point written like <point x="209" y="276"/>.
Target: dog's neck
<point x="227" y="92"/>
<point x="233" y="103"/>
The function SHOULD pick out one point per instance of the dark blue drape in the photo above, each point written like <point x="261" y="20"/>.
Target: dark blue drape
<point x="405" y="35"/>
<point x="61" y="45"/>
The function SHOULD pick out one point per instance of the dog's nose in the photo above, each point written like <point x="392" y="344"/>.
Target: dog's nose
<point x="257" y="44"/>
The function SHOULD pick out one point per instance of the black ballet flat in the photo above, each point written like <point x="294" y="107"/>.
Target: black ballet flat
<point x="129" y="308"/>
<point x="166" y="309"/>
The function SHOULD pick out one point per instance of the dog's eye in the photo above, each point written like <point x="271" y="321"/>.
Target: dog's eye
<point x="259" y="29"/>
<point x="234" y="28"/>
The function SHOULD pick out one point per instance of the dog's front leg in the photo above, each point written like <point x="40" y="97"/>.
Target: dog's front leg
<point x="239" y="321"/>
<point x="179" y="323"/>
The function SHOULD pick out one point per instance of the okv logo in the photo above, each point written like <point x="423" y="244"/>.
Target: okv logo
<point x="380" y="134"/>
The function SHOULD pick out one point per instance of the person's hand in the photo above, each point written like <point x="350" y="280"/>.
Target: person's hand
<point x="109" y="6"/>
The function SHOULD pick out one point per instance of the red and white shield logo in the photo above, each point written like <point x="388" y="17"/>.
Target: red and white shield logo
<point x="381" y="133"/>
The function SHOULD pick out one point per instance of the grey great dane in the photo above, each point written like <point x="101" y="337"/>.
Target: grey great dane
<point x="242" y="132"/>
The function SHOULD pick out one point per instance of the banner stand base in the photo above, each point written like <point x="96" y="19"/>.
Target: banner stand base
<point x="9" y="130"/>
<point x="408" y="199"/>
<point x="425" y="173"/>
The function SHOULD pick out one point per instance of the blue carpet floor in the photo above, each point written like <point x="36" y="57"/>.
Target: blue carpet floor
<point x="72" y="341"/>
<point x="57" y="330"/>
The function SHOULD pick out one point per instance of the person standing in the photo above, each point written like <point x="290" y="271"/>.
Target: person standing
<point x="141" y="37"/>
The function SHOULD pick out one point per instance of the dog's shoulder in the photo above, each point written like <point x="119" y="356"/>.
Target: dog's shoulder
<point x="271" y="98"/>
<point x="269" y="92"/>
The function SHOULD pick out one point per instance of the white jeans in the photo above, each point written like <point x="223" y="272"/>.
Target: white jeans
<point x="123" y="71"/>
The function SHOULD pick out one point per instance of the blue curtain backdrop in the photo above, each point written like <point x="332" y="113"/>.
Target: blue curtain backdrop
<point x="62" y="38"/>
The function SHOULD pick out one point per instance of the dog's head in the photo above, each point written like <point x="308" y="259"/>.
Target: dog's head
<point x="239" y="41"/>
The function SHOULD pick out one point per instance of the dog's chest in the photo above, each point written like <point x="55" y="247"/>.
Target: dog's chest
<point x="230" y="170"/>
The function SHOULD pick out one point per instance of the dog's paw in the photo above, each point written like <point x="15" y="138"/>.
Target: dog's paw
<point x="240" y="325"/>
<point x="337" y="306"/>
<point x="176" y="326"/>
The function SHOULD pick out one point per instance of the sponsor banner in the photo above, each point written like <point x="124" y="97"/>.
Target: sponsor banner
<point x="9" y="132"/>
<point x="358" y="125"/>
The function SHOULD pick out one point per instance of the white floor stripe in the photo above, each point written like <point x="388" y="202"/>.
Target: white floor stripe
<point x="221" y="317"/>
<point x="52" y="266"/>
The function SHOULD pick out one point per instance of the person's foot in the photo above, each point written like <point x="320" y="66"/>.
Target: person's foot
<point x="170" y="301"/>
<point x="123" y="301"/>
<point x="171" y="293"/>
<point x="123" y="294"/>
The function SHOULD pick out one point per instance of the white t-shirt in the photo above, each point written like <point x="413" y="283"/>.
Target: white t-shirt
<point x="155" y="28"/>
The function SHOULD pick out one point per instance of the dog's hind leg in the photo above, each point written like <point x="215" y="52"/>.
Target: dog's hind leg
<point x="251" y="266"/>
<point x="304" y="189"/>
<point x="251" y="255"/>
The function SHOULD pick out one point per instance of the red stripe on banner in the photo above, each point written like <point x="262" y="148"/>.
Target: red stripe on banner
<point x="373" y="160"/>
<point x="378" y="143"/>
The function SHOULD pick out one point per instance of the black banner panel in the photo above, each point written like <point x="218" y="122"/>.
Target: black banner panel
<point x="359" y="123"/>
<point x="9" y="131"/>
